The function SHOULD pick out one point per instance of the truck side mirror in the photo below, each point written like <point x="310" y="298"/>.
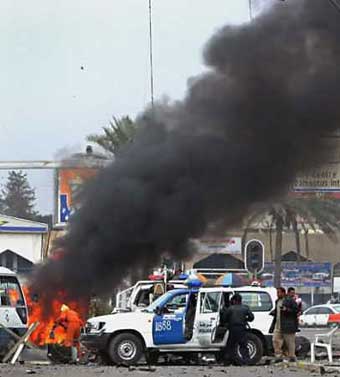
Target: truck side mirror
<point x="158" y="311"/>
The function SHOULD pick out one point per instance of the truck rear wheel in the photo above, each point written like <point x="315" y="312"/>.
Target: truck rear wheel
<point x="255" y="348"/>
<point x="125" y="349"/>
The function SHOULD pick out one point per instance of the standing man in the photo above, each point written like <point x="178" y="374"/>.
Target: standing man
<point x="291" y="293"/>
<point x="236" y="318"/>
<point x="284" y="325"/>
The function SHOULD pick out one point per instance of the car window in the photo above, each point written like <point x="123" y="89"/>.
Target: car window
<point x="336" y="308"/>
<point x="225" y="299"/>
<point x="325" y="310"/>
<point x="210" y="302"/>
<point x="161" y="301"/>
<point x="178" y="302"/>
<point x="257" y="301"/>
<point x="10" y="292"/>
<point x="312" y="311"/>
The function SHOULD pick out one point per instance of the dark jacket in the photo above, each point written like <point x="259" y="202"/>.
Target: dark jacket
<point x="236" y="315"/>
<point x="289" y="316"/>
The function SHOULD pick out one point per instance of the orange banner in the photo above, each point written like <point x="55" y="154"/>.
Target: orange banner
<point x="69" y="182"/>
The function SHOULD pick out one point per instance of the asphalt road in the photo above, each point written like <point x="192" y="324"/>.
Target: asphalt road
<point x="164" y="371"/>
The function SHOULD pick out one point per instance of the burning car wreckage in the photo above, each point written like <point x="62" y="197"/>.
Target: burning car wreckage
<point x="245" y="129"/>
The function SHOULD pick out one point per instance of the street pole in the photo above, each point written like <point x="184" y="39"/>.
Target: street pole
<point x="151" y="54"/>
<point x="250" y="10"/>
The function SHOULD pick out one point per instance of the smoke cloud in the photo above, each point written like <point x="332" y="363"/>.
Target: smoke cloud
<point x="244" y="130"/>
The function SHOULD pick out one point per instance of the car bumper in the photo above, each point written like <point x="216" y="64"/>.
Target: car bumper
<point x="95" y="342"/>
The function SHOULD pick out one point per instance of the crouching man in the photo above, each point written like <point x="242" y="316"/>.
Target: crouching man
<point x="236" y="318"/>
<point x="72" y="324"/>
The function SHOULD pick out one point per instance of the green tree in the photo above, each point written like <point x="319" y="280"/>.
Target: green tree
<point x="119" y="133"/>
<point x="18" y="198"/>
<point x="295" y="214"/>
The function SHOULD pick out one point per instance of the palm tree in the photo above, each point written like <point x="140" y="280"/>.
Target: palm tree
<point x="119" y="133"/>
<point x="291" y="214"/>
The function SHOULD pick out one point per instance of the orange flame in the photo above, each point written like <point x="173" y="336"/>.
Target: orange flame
<point x="14" y="296"/>
<point x="47" y="316"/>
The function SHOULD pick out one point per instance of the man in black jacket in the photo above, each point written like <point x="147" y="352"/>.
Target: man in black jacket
<point x="284" y="325"/>
<point x="236" y="318"/>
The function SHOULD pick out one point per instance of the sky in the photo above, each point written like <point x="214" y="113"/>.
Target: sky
<point x="67" y="66"/>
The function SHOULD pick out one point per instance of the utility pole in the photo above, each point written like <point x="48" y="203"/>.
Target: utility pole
<point x="250" y="5"/>
<point x="151" y="54"/>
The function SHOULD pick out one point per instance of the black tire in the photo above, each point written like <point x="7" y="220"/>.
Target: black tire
<point x="152" y="357"/>
<point x="104" y="358"/>
<point x="255" y="346"/>
<point x="302" y="346"/>
<point x="125" y="349"/>
<point x="59" y="354"/>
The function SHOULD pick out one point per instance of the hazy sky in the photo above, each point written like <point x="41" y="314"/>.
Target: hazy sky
<point x="49" y="102"/>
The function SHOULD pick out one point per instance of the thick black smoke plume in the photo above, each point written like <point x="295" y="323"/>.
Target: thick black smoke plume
<point x="244" y="130"/>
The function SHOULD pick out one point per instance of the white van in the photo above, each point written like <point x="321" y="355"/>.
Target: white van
<point x="13" y="309"/>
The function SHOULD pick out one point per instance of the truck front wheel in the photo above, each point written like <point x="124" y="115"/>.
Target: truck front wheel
<point x="255" y="349"/>
<point x="125" y="349"/>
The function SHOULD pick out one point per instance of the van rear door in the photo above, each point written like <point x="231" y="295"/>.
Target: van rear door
<point x="13" y="310"/>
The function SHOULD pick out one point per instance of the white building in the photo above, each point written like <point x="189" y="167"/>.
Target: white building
<point x="21" y="243"/>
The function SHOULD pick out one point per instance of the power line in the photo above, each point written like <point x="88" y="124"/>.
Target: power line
<point x="151" y="54"/>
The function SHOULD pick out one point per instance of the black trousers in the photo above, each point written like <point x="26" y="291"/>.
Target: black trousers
<point x="237" y="337"/>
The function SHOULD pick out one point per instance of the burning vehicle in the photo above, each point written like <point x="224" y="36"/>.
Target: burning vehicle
<point x="13" y="309"/>
<point x="59" y="326"/>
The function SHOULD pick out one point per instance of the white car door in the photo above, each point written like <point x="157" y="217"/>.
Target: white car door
<point x="208" y="316"/>
<point x="323" y="315"/>
<point x="309" y="317"/>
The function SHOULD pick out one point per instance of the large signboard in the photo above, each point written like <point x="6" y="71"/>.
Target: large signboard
<point x="69" y="182"/>
<point x="225" y="245"/>
<point x="321" y="182"/>
<point x="300" y="275"/>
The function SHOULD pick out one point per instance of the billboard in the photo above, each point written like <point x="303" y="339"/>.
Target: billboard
<point x="223" y="245"/>
<point x="324" y="182"/>
<point x="69" y="181"/>
<point x="300" y="275"/>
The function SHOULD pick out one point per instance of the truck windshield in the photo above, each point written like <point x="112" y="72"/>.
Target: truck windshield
<point x="159" y="302"/>
<point x="10" y="292"/>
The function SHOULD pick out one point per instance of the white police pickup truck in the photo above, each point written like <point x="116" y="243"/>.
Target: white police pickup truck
<point x="182" y="321"/>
